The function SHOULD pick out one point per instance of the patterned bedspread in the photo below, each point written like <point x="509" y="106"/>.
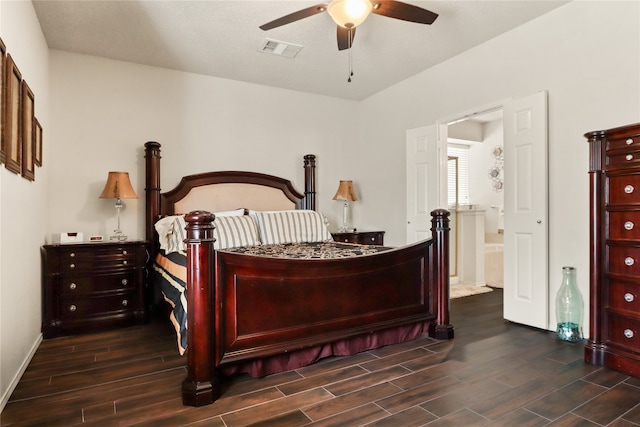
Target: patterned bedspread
<point x="318" y="250"/>
<point x="170" y="271"/>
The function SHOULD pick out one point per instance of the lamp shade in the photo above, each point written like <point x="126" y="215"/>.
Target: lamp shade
<point x="118" y="187"/>
<point x="346" y="192"/>
<point x="349" y="13"/>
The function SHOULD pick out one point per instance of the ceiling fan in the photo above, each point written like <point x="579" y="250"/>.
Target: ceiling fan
<point x="348" y="14"/>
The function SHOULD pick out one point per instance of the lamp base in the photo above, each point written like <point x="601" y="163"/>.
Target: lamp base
<point x="119" y="236"/>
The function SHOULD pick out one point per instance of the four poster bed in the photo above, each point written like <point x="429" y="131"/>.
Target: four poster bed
<point x="260" y="313"/>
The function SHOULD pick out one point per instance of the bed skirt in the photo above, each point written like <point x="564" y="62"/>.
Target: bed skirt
<point x="297" y="359"/>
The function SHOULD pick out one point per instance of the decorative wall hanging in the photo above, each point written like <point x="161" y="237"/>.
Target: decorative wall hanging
<point x="495" y="173"/>
<point x="27" y="132"/>
<point x="3" y="52"/>
<point x="11" y="132"/>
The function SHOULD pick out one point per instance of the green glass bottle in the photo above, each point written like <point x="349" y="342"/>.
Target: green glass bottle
<point x="569" y="307"/>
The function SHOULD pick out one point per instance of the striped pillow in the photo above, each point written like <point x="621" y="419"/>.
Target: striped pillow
<point x="293" y="226"/>
<point x="229" y="232"/>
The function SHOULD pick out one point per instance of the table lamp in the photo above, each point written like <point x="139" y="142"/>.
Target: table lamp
<point x="118" y="187"/>
<point x="347" y="194"/>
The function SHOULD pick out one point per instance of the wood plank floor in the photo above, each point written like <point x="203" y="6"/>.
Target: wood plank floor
<point x="493" y="373"/>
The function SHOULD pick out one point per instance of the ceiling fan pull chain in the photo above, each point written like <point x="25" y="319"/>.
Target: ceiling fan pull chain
<point x="349" y="37"/>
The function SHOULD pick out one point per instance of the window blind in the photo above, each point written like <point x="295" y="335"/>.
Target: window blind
<point x="459" y="180"/>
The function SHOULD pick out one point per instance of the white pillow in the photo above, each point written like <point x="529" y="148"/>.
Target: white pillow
<point x="291" y="226"/>
<point x="171" y="231"/>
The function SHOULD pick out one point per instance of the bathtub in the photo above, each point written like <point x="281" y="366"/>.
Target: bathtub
<point x="494" y="264"/>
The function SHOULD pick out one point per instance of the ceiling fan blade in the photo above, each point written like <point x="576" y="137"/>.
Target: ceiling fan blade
<point x="295" y="16"/>
<point x="403" y="11"/>
<point x="343" y="37"/>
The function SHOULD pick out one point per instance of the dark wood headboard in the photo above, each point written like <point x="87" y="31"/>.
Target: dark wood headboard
<point x="159" y="204"/>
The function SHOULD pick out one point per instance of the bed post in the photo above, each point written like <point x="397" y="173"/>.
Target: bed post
<point x="441" y="329"/>
<point x="202" y="385"/>
<point x="310" y="182"/>
<point x="152" y="191"/>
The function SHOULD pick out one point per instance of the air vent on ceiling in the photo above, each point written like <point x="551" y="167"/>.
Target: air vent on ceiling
<point x="275" y="47"/>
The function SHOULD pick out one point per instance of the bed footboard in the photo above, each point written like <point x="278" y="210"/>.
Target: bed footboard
<point x="411" y="285"/>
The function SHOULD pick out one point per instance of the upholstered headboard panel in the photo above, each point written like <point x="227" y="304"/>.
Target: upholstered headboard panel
<point x="229" y="196"/>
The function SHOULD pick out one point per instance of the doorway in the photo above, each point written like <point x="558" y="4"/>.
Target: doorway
<point x="526" y="250"/>
<point x="475" y="198"/>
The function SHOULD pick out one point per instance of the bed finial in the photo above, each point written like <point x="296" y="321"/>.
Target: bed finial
<point x="310" y="181"/>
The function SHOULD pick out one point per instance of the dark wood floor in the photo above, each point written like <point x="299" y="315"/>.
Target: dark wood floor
<point x="493" y="373"/>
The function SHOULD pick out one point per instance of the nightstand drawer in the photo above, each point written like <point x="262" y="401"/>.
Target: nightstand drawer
<point x="100" y="259"/>
<point x="360" y="237"/>
<point x="76" y="285"/>
<point x="73" y="307"/>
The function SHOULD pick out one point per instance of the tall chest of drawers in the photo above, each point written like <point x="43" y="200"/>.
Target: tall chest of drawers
<point x="88" y="287"/>
<point x="614" y="314"/>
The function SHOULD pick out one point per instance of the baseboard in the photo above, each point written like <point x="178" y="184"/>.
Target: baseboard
<point x="18" y="375"/>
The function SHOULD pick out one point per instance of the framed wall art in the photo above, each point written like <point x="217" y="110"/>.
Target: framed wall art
<point x="3" y="52"/>
<point x="11" y="142"/>
<point x="27" y="132"/>
<point x="38" y="143"/>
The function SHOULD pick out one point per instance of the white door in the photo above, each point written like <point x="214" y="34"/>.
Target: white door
<point x="526" y="225"/>
<point x="424" y="187"/>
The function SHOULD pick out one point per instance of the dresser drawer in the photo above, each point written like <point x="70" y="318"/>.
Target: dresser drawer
<point x="630" y="142"/>
<point x="624" y="189"/>
<point x="76" y="307"/>
<point x="624" y="296"/>
<point x="626" y="159"/>
<point x="624" y="225"/>
<point x="77" y="285"/>
<point x="624" y="260"/>
<point x="623" y="331"/>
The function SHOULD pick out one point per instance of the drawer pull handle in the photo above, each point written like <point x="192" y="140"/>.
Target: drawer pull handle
<point x="629" y="157"/>
<point x="125" y="282"/>
<point x="125" y="302"/>
<point x="72" y="254"/>
<point x="628" y="225"/>
<point x="628" y="261"/>
<point x="72" y="307"/>
<point x="124" y="262"/>
<point x="628" y="297"/>
<point x="628" y="189"/>
<point x="629" y="141"/>
<point x="124" y="252"/>
<point x="628" y="333"/>
<point x="73" y="286"/>
<point x="72" y="266"/>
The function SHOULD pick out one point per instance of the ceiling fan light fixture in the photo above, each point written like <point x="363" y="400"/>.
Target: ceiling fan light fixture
<point x="349" y="13"/>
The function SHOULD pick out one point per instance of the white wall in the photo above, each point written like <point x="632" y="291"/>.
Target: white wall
<point x="585" y="54"/>
<point x="481" y="190"/>
<point x="104" y="111"/>
<point x="23" y="207"/>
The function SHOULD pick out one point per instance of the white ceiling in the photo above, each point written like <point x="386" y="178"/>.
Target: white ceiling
<point x="222" y="39"/>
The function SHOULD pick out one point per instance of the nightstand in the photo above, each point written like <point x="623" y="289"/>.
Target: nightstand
<point x="93" y="286"/>
<point x="361" y="237"/>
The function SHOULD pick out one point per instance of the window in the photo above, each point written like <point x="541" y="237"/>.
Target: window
<point x="458" y="174"/>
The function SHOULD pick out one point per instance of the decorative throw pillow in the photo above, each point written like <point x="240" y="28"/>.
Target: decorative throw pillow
<point x="291" y="226"/>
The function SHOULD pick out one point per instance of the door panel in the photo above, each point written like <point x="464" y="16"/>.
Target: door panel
<point x="423" y="151"/>
<point x="526" y="285"/>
